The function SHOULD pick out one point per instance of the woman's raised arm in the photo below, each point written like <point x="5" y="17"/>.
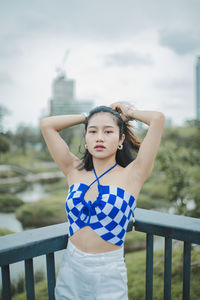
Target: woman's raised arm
<point x="150" y="144"/>
<point x="143" y="164"/>
<point x="58" y="148"/>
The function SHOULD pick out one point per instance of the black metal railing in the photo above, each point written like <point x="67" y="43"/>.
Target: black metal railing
<point x="26" y="245"/>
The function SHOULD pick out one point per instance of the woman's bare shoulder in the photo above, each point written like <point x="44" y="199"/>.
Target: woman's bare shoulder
<point x="133" y="179"/>
<point x="77" y="175"/>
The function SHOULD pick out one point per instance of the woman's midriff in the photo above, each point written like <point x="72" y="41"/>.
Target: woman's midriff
<point x="87" y="240"/>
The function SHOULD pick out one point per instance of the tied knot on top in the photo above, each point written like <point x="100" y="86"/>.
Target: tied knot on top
<point x="87" y="211"/>
<point x="88" y="208"/>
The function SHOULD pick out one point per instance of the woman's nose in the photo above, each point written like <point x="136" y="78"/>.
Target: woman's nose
<point x="99" y="136"/>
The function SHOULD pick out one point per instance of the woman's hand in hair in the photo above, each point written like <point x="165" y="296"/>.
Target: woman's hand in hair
<point x="126" y="111"/>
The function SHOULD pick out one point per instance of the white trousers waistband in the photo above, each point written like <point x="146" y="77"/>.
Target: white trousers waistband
<point x="95" y="258"/>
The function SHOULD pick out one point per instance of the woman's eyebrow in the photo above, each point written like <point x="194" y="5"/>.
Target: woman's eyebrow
<point x="107" y="126"/>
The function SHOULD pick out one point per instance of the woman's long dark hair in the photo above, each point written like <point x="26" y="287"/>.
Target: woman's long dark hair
<point x="131" y="141"/>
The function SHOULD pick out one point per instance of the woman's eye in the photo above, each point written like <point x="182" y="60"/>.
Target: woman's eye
<point x="92" y="131"/>
<point x="108" y="131"/>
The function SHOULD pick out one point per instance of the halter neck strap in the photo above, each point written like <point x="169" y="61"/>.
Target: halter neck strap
<point x="97" y="178"/>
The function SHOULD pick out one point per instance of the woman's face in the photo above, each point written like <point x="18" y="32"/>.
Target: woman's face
<point x="102" y="136"/>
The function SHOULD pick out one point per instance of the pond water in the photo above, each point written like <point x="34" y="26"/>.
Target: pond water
<point x="10" y="222"/>
<point x="34" y="192"/>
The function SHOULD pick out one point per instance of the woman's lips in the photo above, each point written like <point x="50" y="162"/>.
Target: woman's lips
<point x="99" y="147"/>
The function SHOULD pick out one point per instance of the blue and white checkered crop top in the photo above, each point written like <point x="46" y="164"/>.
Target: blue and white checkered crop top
<point x="108" y="215"/>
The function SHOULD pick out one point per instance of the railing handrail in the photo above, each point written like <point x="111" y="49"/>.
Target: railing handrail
<point x="176" y="227"/>
<point x="34" y="242"/>
<point x="31" y="243"/>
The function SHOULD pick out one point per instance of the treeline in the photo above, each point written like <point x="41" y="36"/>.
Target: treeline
<point x="26" y="137"/>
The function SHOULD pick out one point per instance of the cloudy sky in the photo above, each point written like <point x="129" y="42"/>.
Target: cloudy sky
<point x="139" y="51"/>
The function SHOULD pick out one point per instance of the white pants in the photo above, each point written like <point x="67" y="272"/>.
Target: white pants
<point x="88" y="276"/>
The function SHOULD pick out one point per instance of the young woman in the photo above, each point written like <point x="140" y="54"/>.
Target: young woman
<point x="103" y="189"/>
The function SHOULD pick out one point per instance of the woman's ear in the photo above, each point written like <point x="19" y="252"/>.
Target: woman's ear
<point x="122" y="138"/>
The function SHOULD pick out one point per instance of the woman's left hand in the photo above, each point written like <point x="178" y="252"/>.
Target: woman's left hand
<point x="125" y="111"/>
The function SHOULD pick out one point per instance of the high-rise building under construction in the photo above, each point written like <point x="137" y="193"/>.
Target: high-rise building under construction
<point x="198" y="88"/>
<point x="63" y="99"/>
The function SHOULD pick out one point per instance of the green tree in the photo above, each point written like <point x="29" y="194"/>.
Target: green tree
<point x="25" y="134"/>
<point x="3" y="112"/>
<point x="177" y="179"/>
<point x="178" y="158"/>
<point x="4" y="144"/>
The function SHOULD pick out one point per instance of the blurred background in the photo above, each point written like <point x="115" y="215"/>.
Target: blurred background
<point x="62" y="57"/>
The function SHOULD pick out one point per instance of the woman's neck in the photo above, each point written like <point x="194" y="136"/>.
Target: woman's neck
<point x="102" y="165"/>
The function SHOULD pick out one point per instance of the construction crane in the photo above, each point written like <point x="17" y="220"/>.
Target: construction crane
<point x="60" y="69"/>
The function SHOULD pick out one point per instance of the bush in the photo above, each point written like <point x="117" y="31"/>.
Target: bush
<point x="13" y="187"/>
<point x="144" y="201"/>
<point x="9" y="203"/>
<point x="134" y="241"/>
<point x="41" y="213"/>
<point x="8" y="174"/>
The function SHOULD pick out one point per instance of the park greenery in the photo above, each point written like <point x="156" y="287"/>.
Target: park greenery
<point x="174" y="185"/>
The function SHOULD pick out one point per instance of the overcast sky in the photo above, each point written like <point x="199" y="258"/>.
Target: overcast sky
<point x="139" y="51"/>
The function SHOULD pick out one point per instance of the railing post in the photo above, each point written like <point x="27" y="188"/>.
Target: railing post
<point x="168" y="268"/>
<point x="51" y="277"/>
<point x="186" y="270"/>
<point x="149" y="267"/>
<point x="29" y="276"/>
<point x="6" y="290"/>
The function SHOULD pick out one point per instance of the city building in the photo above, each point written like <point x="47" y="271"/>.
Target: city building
<point x="198" y="88"/>
<point x="63" y="99"/>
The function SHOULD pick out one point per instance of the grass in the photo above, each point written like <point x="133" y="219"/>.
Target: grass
<point x="26" y="161"/>
<point x="18" y="286"/>
<point x="136" y="274"/>
<point x="5" y="231"/>
<point x="17" y="158"/>
<point x="41" y="292"/>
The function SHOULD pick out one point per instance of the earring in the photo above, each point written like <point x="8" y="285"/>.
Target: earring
<point x="86" y="146"/>
<point x="120" y="147"/>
